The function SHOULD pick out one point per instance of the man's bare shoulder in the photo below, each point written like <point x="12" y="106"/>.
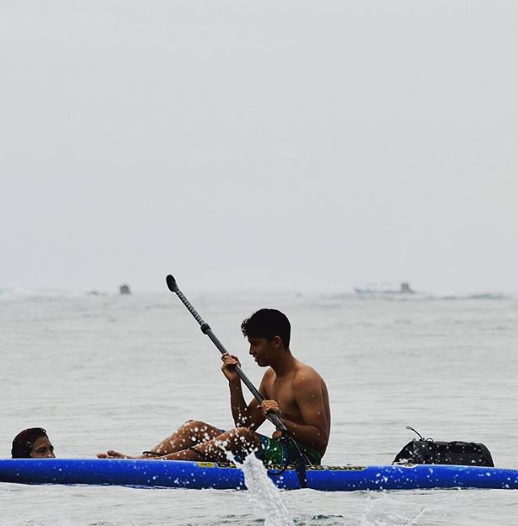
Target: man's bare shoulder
<point x="306" y="374"/>
<point x="268" y="375"/>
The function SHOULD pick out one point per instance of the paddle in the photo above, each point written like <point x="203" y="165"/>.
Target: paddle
<point x="276" y="421"/>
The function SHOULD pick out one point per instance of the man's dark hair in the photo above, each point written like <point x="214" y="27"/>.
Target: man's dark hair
<point x="267" y="323"/>
<point x="23" y="442"/>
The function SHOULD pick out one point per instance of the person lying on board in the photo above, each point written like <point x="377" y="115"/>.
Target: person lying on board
<point x="32" y="443"/>
<point x="292" y="390"/>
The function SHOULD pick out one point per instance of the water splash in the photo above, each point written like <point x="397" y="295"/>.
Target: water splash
<point x="385" y="510"/>
<point x="264" y="494"/>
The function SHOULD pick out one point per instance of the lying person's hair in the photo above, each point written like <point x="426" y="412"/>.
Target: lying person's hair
<point x="24" y="441"/>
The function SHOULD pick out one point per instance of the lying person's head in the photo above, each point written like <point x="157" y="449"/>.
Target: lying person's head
<point x="32" y="443"/>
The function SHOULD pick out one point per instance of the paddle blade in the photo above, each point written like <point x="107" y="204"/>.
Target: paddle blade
<point x="171" y="283"/>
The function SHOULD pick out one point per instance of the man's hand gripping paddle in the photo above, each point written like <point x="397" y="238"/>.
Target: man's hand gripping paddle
<point x="276" y="421"/>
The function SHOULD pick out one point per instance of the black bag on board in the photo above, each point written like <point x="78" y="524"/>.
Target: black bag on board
<point x="427" y="451"/>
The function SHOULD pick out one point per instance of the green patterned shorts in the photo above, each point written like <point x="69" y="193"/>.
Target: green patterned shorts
<point x="279" y="453"/>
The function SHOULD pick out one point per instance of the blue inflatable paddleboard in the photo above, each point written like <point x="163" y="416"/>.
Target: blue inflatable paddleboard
<point x="200" y="475"/>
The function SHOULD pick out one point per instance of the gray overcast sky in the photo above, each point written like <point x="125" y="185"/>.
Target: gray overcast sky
<point x="272" y="145"/>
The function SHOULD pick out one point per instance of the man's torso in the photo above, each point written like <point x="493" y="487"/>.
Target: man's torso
<point x="282" y="390"/>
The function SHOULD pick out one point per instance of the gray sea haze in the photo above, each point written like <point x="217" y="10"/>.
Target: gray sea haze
<point x="109" y="371"/>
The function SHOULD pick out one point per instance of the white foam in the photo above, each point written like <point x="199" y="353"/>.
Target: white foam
<point x="263" y="493"/>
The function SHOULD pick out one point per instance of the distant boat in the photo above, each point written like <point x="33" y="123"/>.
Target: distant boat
<point x="385" y="290"/>
<point x="124" y="289"/>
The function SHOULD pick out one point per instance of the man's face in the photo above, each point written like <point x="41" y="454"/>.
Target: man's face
<point x="42" y="448"/>
<point x="262" y="350"/>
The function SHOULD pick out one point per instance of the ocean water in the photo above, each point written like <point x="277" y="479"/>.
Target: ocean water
<point x="121" y="372"/>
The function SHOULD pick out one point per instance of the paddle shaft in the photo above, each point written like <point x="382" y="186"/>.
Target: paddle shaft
<point x="205" y="328"/>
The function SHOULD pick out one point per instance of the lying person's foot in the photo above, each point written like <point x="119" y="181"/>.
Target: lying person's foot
<point x="113" y="454"/>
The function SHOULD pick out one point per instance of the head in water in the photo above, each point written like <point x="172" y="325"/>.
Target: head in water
<point x="32" y="443"/>
<point x="268" y="323"/>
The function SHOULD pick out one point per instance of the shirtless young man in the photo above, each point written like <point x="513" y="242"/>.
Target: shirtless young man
<point x="291" y="389"/>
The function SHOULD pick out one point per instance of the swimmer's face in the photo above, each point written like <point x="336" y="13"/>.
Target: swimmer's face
<point x="42" y="448"/>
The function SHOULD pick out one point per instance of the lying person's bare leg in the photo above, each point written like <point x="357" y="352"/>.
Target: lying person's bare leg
<point x="192" y="433"/>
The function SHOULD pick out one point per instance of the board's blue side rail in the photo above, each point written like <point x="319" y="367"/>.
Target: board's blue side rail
<point x="196" y="475"/>
<point x="200" y="475"/>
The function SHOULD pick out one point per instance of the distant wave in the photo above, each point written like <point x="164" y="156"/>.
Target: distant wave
<point x="333" y="299"/>
<point x="326" y="298"/>
<point x="474" y="296"/>
<point x="394" y="294"/>
<point x="39" y="293"/>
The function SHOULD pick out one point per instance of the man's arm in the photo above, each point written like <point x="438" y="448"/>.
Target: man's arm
<point x="244" y="415"/>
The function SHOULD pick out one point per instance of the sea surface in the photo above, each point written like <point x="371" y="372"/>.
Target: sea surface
<point x="109" y="371"/>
